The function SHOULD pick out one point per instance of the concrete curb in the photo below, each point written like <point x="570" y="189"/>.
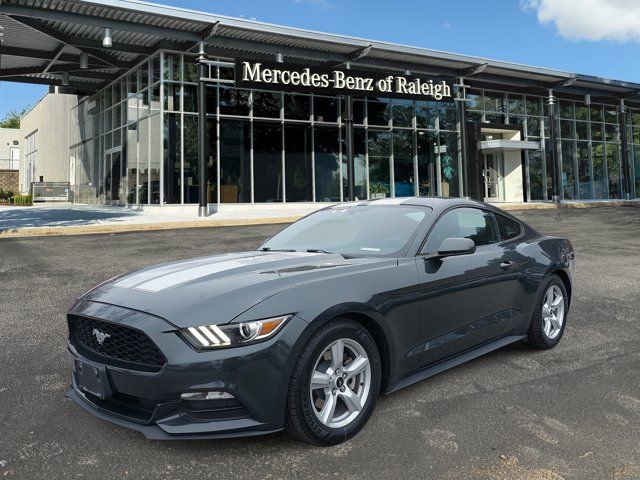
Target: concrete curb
<point x="145" y="227"/>
<point x="140" y="227"/>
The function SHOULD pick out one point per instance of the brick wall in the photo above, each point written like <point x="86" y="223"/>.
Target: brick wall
<point x="9" y="180"/>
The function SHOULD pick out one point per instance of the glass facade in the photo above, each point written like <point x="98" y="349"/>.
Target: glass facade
<point x="136" y="142"/>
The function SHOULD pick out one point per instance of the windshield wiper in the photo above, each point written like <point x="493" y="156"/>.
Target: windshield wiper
<point x="316" y="250"/>
<point x="269" y="249"/>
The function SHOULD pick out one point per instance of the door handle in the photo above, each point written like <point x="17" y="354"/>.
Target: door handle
<point x="508" y="265"/>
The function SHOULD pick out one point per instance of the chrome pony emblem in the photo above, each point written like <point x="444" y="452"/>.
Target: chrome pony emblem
<point x="100" y="336"/>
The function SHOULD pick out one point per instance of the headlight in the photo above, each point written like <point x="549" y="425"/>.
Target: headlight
<point x="234" y="334"/>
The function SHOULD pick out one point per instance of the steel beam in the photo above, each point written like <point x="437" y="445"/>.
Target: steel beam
<point x="91" y="21"/>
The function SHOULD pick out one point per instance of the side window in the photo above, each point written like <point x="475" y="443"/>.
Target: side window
<point x="508" y="228"/>
<point x="473" y="223"/>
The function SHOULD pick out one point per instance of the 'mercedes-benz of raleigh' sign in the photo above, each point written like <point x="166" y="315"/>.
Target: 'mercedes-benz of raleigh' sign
<point x="279" y="76"/>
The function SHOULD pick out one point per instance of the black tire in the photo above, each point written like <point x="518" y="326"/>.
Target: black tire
<point x="536" y="337"/>
<point x="301" y="421"/>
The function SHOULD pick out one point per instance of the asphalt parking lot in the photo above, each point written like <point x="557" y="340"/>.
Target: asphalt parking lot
<point x="572" y="413"/>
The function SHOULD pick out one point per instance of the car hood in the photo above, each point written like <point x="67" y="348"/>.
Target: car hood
<point x="215" y="289"/>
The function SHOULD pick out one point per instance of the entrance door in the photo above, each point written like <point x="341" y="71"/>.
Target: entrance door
<point x="114" y="184"/>
<point x="493" y="177"/>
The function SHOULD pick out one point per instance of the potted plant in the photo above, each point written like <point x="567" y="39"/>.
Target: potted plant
<point x="378" y="190"/>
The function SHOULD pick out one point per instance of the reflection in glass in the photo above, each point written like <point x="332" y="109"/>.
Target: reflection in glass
<point x="212" y="163"/>
<point x="402" y="113"/>
<point x="379" y="164"/>
<point x="568" y="180"/>
<point x="297" y="162"/>
<point x="404" y="176"/>
<point x="191" y="176"/>
<point x="327" y="164"/>
<point x="235" y="161"/>
<point x="172" y="147"/>
<point x="297" y="107"/>
<point x="536" y="175"/>
<point x="267" y="162"/>
<point x="234" y="101"/>
<point x="360" y="162"/>
<point x="599" y="181"/>
<point x="427" y="156"/>
<point x="378" y="111"/>
<point x="266" y="104"/>
<point x="584" y="171"/>
<point x="325" y="109"/>
<point x="154" y="159"/>
<point x="613" y="170"/>
<point x="132" y="164"/>
<point x="449" y="164"/>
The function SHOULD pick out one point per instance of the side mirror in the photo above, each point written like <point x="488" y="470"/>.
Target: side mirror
<point x="451" y="247"/>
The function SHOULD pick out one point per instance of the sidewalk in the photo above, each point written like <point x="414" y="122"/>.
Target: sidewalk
<point x="69" y="219"/>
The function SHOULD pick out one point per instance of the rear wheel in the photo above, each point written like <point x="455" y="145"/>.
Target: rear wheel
<point x="335" y="384"/>
<point x="549" y="318"/>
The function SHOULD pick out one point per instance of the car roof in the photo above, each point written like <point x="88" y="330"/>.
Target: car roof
<point x="440" y="202"/>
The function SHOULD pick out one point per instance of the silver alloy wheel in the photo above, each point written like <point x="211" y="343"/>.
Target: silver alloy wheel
<point x="552" y="312"/>
<point x="340" y="383"/>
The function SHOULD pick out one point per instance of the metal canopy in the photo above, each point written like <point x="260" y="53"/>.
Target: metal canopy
<point x="502" y="146"/>
<point x="44" y="38"/>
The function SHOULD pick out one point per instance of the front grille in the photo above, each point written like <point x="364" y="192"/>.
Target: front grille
<point x="124" y="346"/>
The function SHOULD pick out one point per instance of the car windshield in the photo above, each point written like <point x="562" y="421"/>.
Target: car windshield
<point x="352" y="230"/>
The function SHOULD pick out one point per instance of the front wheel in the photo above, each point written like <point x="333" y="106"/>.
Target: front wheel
<point x="549" y="318"/>
<point x="334" y="385"/>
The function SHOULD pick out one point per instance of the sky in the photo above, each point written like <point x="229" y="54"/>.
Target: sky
<point x="595" y="37"/>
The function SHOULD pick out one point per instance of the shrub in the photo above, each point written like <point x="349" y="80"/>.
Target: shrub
<point x="22" y="200"/>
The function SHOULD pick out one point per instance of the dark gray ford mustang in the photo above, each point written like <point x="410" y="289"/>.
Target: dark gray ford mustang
<point x="352" y="301"/>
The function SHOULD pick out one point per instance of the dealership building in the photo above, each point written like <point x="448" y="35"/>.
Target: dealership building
<point x="175" y="107"/>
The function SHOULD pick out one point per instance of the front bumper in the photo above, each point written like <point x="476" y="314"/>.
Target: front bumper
<point x="256" y="375"/>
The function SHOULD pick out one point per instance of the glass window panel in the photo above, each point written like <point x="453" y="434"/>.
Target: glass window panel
<point x="610" y="115"/>
<point x="635" y="134"/>
<point x="325" y="109"/>
<point x="297" y="162"/>
<point x="117" y="139"/>
<point x="190" y="98"/>
<point x="568" y="180"/>
<point x="494" y="118"/>
<point x="377" y="112"/>
<point x="327" y="163"/>
<point x="379" y="164"/>
<point x="449" y="164"/>
<point x="427" y="157"/>
<point x="358" y="111"/>
<point x="516" y="104"/>
<point x="267" y="104"/>
<point x="599" y="181"/>
<point x="612" y="133"/>
<point x="155" y="69"/>
<point x="584" y="171"/>
<point x="596" y="113"/>
<point x="533" y="127"/>
<point x="132" y="164"/>
<point x="190" y="69"/>
<point x="172" y="160"/>
<point x="613" y="170"/>
<point x="360" y="162"/>
<point x="536" y="175"/>
<point x="212" y="100"/>
<point x="234" y="101"/>
<point x="171" y="68"/>
<point x="448" y="118"/>
<point x="493" y="101"/>
<point x="172" y="96"/>
<point x="155" y="98"/>
<point x="533" y="106"/>
<point x="212" y="162"/>
<point x="143" y="161"/>
<point x="403" y="172"/>
<point x="235" y="161"/>
<point x="473" y="100"/>
<point x="582" y="112"/>
<point x="191" y="176"/>
<point x="566" y="129"/>
<point x="426" y="115"/>
<point x="582" y="130"/>
<point x="297" y="107"/>
<point x="143" y="76"/>
<point x="635" y="117"/>
<point x="596" y="131"/>
<point x="566" y="109"/>
<point x="403" y="113"/>
<point x="267" y="162"/>
<point x="636" y="159"/>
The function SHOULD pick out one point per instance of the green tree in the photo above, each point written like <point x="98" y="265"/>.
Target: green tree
<point x="12" y="118"/>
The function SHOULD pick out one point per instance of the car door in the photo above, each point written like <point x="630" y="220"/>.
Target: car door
<point x="465" y="300"/>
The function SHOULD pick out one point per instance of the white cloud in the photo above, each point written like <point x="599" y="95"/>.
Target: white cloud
<point x="447" y="26"/>
<point x="592" y="20"/>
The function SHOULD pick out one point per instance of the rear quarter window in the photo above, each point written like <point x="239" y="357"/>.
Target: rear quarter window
<point x="508" y="228"/>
